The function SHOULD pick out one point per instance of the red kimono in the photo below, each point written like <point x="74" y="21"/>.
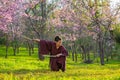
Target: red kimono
<point x="56" y="63"/>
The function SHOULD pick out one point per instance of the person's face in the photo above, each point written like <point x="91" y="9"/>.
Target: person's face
<point x="59" y="43"/>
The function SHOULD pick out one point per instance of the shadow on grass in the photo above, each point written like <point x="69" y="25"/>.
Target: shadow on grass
<point x="113" y="62"/>
<point x="25" y="71"/>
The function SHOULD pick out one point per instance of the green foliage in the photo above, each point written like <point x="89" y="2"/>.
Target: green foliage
<point x="97" y="14"/>
<point x="117" y="33"/>
<point x="116" y="52"/>
<point x="2" y="40"/>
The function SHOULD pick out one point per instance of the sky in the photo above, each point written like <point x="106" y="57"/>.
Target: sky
<point x="114" y="2"/>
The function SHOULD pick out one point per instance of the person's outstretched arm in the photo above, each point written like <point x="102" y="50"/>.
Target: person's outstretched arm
<point x="36" y="40"/>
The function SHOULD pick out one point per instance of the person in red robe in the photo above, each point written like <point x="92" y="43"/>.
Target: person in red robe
<point x="56" y="49"/>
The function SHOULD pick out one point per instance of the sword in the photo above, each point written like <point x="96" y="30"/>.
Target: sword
<point x="49" y="55"/>
<point x="58" y="55"/>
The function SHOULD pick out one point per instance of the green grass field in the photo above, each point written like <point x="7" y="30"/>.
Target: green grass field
<point x="24" y="67"/>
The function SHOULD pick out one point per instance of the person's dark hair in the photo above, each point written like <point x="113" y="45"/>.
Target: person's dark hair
<point x="57" y="38"/>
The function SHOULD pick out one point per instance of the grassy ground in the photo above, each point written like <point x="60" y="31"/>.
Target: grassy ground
<point x="24" y="67"/>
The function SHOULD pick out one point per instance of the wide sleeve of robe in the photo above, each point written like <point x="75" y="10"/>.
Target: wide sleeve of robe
<point x="45" y="47"/>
